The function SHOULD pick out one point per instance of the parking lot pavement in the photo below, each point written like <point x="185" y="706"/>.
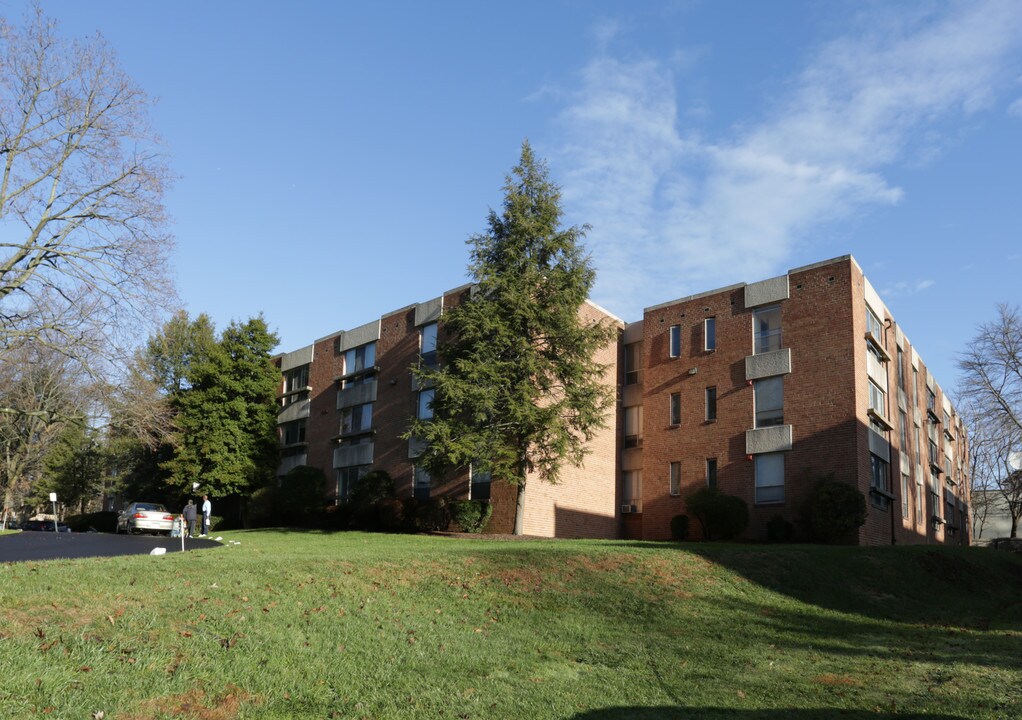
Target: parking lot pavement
<point x="35" y="545"/>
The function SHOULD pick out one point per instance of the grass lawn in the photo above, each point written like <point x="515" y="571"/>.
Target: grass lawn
<point x="351" y="625"/>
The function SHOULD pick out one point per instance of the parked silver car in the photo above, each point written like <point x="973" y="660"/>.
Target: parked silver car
<point x="145" y="517"/>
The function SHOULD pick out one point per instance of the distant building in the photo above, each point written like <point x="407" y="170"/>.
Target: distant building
<point x="753" y="388"/>
<point x="996" y="518"/>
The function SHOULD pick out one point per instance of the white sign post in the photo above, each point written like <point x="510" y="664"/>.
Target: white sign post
<point x="53" y="499"/>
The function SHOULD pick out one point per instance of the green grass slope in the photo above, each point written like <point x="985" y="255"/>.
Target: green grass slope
<point x="292" y="624"/>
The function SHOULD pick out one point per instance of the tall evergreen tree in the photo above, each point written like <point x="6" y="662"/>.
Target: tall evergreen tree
<point x="226" y="417"/>
<point x="518" y="391"/>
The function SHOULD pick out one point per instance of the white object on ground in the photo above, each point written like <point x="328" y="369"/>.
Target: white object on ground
<point x="158" y="551"/>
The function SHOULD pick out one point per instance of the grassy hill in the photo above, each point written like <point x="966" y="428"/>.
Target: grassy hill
<point x="295" y="624"/>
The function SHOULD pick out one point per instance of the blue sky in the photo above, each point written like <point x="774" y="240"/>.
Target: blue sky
<point x="322" y="146"/>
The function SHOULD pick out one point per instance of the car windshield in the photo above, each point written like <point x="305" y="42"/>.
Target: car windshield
<point x="149" y="506"/>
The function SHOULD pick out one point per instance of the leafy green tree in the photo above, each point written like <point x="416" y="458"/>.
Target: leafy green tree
<point x="226" y="438"/>
<point x="517" y="391"/>
<point x="74" y="468"/>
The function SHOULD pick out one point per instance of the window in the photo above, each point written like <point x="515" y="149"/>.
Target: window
<point x="675" y="408"/>
<point x="360" y="359"/>
<point x="880" y="482"/>
<point x="920" y="510"/>
<point x="296" y="379"/>
<point x="347" y="478"/>
<point x="877" y="399"/>
<point x="873" y="325"/>
<point x="711" y="472"/>
<point x="904" y="495"/>
<point x="918" y="446"/>
<point x="711" y="403"/>
<point x="420" y="483"/>
<point x="766" y="329"/>
<point x="935" y="495"/>
<point x="949" y="508"/>
<point x="675" y="341"/>
<point x="915" y="388"/>
<point x="292" y="433"/>
<point x="710" y="334"/>
<point x="769" y="478"/>
<point x="296" y="384"/>
<point x="480" y="486"/>
<point x="769" y="401"/>
<point x="901" y="369"/>
<point x="424" y="410"/>
<point x="633" y="356"/>
<point x="633" y="426"/>
<point x="931" y="432"/>
<point x="903" y="428"/>
<point x="353" y="440"/>
<point x="427" y="344"/>
<point x="631" y="489"/>
<point x="675" y="478"/>
<point x="356" y="419"/>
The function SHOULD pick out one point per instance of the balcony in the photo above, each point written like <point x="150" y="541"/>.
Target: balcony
<point x="768" y="439"/>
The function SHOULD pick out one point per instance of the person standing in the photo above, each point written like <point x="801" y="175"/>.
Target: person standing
<point x="207" y="510"/>
<point x="190" y="513"/>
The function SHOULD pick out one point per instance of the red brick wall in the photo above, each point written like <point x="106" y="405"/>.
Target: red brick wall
<point x="819" y="397"/>
<point x="324" y="421"/>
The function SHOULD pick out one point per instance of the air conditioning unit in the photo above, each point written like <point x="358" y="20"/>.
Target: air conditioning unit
<point x="629" y="509"/>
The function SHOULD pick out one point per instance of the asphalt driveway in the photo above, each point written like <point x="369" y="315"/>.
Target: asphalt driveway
<point x="35" y="545"/>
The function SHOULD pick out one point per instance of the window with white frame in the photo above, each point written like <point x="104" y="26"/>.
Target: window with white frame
<point x="631" y="489"/>
<point x="633" y="426"/>
<point x="674" y="478"/>
<point x="675" y="341"/>
<point x="769" y="478"/>
<point x="357" y="419"/>
<point x="360" y="359"/>
<point x="633" y="359"/>
<point x="424" y="409"/>
<point x="710" y="334"/>
<point x="427" y="344"/>
<point x="769" y="401"/>
<point x="296" y="379"/>
<point x="877" y="399"/>
<point x="296" y="385"/>
<point x="880" y="482"/>
<point x="873" y="325"/>
<point x="675" y="409"/>
<point x="766" y="329"/>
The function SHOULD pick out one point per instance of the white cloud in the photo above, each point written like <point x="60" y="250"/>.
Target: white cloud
<point x="906" y="287"/>
<point x="675" y="213"/>
<point x="1016" y="108"/>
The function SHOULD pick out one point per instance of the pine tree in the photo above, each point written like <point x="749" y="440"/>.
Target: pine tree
<point x="226" y="416"/>
<point x="518" y="391"/>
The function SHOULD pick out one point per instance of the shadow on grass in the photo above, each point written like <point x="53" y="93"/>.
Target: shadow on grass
<point x="696" y="713"/>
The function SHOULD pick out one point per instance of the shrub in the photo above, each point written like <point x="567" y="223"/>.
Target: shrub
<point x="98" y="521"/>
<point x="679" y="527"/>
<point x="471" y="515"/>
<point x="300" y="497"/>
<point x="779" y="530"/>
<point x="366" y="498"/>
<point x="722" y="516"/>
<point x="390" y="515"/>
<point x="432" y="515"/>
<point x="836" y="511"/>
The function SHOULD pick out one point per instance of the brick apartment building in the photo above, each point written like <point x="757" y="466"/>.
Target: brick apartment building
<point x="754" y="388"/>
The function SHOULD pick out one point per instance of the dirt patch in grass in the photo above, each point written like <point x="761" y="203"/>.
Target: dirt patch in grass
<point x="196" y="705"/>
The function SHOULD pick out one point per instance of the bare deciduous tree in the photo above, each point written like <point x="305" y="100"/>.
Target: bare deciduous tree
<point x="991" y="389"/>
<point x="40" y="392"/>
<point x="83" y="243"/>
